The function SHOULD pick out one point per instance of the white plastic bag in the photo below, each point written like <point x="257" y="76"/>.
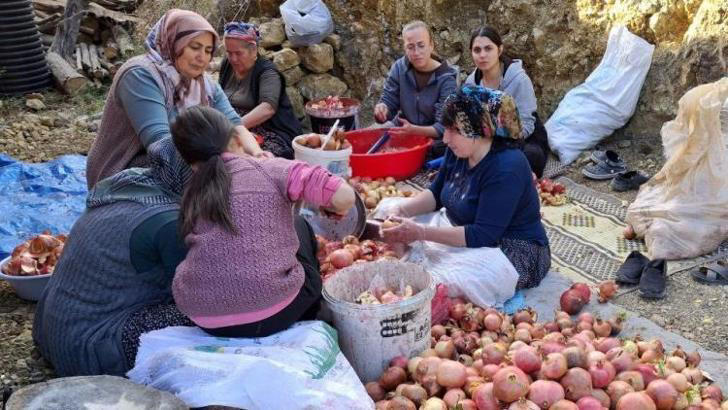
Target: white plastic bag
<point x="307" y="22"/>
<point x="605" y="101"/>
<point x="299" y="368"/>
<point x="682" y="212"/>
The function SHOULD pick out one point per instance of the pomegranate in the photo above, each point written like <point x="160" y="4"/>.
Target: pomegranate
<point x="647" y="371"/>
<point x="572" y="301"/>
<point x="662" y="393"/>
<point x="679" y="382"/>
<point x="616" y="323"/>
<point x="633" y="378"/>
<point x="554" y="366"/>
<point x="588" y="403"/>
<point x="575" y="357"/>
<point x="523" y="404"/>
<point x="694" y="375"/>
<point x="607" y="289"/>
<point x="577" y="383"/>
<point x="493" y="353"/>
<point x="636" y="401"/>
<point x="675" y="363"/>
<point x="712" y="392"/>
<point x="602" y="373"/>
<point x="602" y="328"/>
<point x="604" y="344"/>
<point x="621" y="360"/>
<point x="484" y="398"/>
<point x="453" y="397"/>
<point x="510" y="384"/>
<point x="451" y="374"/>
<point x="467" y="404"/>
<point x="583" y="290"/>
<point x="400" y="403"/>
<point x="445" y="349"/>
<point x="617" y="389"/>
<point x="527" y="315"/>
<point x="341" y="258"/>
<point x="545" y="393"/>
<point x="492" y="322"/>
<point x="527" y="359"/>
<point x="414" y="392"/>
<point x="375" y="391"/>
<point x="434" y="403"/>
<point x="489" y="371"/>
<point x="457" y="311"/>
<point x="693" y="359"/>
<point x="399" y="361"/>
<point x="602" y="396"/>
<point x="426" y="367"/>
<point x="564" y="405"/>
<point x="392" y="377"/>
<point x="586" y="317"/>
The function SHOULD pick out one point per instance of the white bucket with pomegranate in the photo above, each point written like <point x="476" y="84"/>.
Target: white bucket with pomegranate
<point x="336" y="162"/>
<point x="371" y="335"/>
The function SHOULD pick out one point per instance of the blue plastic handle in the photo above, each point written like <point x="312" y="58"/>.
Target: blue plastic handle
<point x="380" y="142"/>
<point x="435" y="163"/>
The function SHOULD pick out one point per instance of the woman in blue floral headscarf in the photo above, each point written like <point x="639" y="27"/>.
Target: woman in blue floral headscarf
<point x="485" y="184"/>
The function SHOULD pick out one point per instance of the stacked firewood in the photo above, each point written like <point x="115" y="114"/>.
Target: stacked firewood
<point x="103" y="41"/>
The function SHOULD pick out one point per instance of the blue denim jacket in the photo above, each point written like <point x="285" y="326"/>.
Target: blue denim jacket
<point x="420" y="107"/>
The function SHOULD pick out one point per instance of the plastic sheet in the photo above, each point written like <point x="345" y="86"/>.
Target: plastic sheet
<point x="37" y="197"/>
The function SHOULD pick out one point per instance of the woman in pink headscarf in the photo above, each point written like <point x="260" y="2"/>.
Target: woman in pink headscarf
<point x="151" y="89"/>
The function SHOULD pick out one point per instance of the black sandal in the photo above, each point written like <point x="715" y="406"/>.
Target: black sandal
<point x="714" y="273"/>
<point x="654" y="280"/>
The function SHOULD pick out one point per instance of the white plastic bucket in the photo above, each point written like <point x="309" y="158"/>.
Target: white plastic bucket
<point x="336" y="162"/>
<point x="371" y="335"/>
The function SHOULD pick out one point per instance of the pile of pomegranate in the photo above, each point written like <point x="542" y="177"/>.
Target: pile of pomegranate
<point x="337" y="141"/>
<point x="335" y="255"/>
<point x="551" y="193"/>
<point x="482" y="359"/>
<point x="373" y="191"/>
<point x="37" y="256"/>
<point x="332" y="107"/>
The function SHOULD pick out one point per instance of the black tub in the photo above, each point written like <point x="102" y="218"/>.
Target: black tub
<point x="23" y="68"/>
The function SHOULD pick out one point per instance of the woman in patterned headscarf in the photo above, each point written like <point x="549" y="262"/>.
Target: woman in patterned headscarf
<point x="257" y="90"/>
<point x="485" y="185"/>
<point x="149" y="90"/>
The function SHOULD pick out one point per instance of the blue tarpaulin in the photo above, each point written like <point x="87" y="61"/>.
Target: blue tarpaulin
<point x="38" y="197"/>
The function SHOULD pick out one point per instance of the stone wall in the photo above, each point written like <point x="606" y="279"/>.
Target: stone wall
<point x="560" y="41"/>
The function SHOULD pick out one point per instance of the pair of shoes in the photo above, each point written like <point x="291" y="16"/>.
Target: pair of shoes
<point x="606" y="165"/>
<point x="651" y="275"/>
<point x="625" y="181"/>
<point x="714" y="273"/>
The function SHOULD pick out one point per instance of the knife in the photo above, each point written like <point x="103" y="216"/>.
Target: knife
<point x="380" y="142"/>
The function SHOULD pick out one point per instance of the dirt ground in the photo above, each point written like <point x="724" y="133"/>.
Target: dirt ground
<point x="67" y="125"/>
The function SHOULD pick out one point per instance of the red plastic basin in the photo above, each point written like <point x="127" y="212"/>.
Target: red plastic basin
<point x="399" y="165"/>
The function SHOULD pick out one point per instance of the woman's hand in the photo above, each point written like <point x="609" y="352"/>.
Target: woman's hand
<point x="405" y="232"/>
<point x="264" y="154"/>
<point x="381" y="112"/>
<point x="407" y="128"/>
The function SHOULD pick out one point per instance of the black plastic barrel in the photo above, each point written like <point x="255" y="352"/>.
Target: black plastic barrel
<point x="323" y="119"/>
<point x="23" y="68"/>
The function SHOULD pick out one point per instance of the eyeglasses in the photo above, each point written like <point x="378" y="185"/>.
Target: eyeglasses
<point x="412" y="47"/>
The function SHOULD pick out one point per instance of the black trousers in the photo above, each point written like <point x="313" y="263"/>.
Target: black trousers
<point x="536" y="148"/>
<point x="306" y="304"/>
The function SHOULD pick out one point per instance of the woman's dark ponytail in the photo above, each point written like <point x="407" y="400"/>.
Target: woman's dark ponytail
<point x="201" y="134"/>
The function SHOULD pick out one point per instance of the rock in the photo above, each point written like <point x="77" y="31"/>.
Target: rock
<point x="296" y="101"/>
<point x="315" y="86"/>
<point x="35" y="104"/>
<point x="334" y="40"/>
<point x="293" y="75"/>
<point x="287" y="44"/>
<point x="272" y="33"/>
<point x="92" y="392"/>
<point x="285" y="59"/>
<point x="624" y="144"/>
<point x="318" y="58"/>
<point x="48" y="121"/>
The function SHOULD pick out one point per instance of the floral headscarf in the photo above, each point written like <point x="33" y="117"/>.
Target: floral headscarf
<point x="242" y="31"/>
<point x="165" y="42"/>
<point x="480" y="112"/>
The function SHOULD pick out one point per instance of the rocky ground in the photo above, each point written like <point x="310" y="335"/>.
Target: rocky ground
<point x="66" y="125"/>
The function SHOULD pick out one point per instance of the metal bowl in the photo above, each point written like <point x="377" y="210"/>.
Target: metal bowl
<point x="353" y="223"/>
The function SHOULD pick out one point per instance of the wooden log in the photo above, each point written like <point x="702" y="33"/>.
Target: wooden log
<point x="67" y="32"/>
<point x="85" y="58"/>
<point x="112" y="68"/>
<point x="48" y="25"/>
<point x="70" y="81"/>
<point x="111" y="50"/>
<point x="122" y="38"/>
<point x="79" y="60"/>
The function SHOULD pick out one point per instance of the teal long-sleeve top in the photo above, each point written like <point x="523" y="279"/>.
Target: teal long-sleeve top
<point x="144" y="104"/>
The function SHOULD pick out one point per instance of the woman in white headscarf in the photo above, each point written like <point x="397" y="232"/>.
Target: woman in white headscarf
<point x="149" y="91"/>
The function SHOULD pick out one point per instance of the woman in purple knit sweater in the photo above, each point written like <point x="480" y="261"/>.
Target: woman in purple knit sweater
<point x="251" y="267"/>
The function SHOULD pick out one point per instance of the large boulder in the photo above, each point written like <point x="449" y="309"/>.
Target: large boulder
<point x="296" y="101"/>
<point x="285" y="59"/>
<point x="318" y="58"/>
<point x="293" y="75"/>
<point x="92" y="392"/>
<point x="315" y="86"/>
<point x="272" y="33"/>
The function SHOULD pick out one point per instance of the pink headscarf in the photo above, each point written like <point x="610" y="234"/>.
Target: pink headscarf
<point x="165" y="42"/>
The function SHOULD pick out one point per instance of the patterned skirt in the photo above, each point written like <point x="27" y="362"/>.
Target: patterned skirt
<point x="145" y="320"/>
<point x="531" y="260"/>
<point x="274" y="143"/>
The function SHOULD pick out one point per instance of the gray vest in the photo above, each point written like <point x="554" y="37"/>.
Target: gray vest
<point x="94" y="289"/>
